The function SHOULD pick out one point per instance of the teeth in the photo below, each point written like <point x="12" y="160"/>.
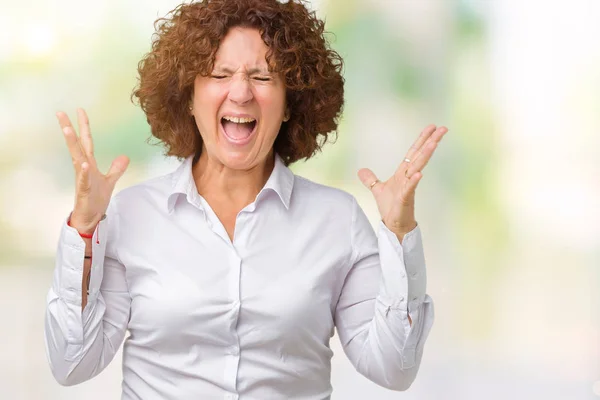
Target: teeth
<point x="239" y="120"/>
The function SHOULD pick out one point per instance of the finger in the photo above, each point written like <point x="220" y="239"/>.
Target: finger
<point x="416" y="149"/>
<point x="435" y="137"/>
<point x="368" y="178"/>
<point x="425" y="134"/>
<point x="411" y="185"/>
<point x="422" y="159"/>
<point x="408" y="168"/>
<point x="71" y="139"/>
<point x="83" y="181"/>
<point x="117" y="169"/>
<point x="85" y="134"/>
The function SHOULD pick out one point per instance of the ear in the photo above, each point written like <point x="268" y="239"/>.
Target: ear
<point x="286" y="116"/>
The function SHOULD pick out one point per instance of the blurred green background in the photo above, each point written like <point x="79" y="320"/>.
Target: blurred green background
<point x="509" y="205"/>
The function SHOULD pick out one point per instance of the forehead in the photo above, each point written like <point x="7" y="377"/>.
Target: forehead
<point x="242" y="47"/>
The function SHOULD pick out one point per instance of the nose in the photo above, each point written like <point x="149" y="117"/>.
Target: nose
<point x="240" y="91"/>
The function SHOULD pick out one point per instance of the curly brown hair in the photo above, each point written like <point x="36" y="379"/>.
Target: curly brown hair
<point x="185" y="43"/>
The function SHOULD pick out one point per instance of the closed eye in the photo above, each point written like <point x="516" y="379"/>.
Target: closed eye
<point x="262" y="79"/>
<point x="219" y="76"/>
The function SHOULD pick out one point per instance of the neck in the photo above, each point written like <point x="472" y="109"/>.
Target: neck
<point x="238" y="188"/>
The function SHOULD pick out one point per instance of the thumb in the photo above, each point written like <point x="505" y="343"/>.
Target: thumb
<point x="117" y="168"/>
<point x="367" y="177"/>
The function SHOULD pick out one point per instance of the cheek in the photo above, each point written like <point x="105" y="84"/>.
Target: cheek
<point x="207" y="106"/>
<point x="272" y="103"/>
<point x="211" y="97"/>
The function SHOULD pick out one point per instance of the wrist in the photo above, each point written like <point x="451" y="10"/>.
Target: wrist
<point x="400" y="232"/>
<point x="86" y="231"/>
<point x="401" y="229"/>
<point x="83" y="232"/>
<point x="85" y="226"/>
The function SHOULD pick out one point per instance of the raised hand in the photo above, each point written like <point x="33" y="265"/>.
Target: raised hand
<point x="396" y="197"/>
<point x="93" y="189"/>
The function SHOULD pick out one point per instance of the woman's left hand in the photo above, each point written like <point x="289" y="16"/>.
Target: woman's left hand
<point x="396" y="197"/>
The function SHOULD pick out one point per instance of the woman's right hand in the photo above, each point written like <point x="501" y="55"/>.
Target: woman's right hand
<point x="93" y="190"/>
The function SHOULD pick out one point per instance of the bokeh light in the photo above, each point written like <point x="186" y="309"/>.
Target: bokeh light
<point x="508" y="206"/>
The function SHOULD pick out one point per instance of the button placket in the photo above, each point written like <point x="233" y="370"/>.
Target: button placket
<point x="233" y="350"/>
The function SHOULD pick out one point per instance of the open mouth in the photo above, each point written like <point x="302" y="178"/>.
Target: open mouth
<point x="238" y="130"/>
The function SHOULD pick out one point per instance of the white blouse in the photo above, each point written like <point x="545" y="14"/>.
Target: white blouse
<point x="211" y="318"/>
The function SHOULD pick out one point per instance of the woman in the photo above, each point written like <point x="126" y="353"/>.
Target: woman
<point x="231" y="272"/>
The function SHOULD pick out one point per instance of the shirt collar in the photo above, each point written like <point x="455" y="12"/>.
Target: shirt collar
<point x="281" y="181"/>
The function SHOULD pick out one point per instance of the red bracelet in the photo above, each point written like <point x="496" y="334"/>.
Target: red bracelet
<point x="83" y="235"/>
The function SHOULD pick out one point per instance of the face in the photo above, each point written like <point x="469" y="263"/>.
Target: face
<point x="240" y="106"/>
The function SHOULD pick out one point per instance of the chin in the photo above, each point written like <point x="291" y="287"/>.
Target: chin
<point x="239" y="159"/>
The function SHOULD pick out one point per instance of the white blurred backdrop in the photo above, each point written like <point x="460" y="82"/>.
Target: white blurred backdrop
<point x="509" y="206"/>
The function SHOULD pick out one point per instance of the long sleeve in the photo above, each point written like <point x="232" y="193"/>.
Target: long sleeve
<point x="80" y="344"/>
<point x="385" y="284"/>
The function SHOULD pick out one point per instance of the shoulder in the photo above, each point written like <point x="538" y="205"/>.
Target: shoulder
<point x="150" y="191"/>
<point x="330" y="210"/>
<point x="147" y="188"/>
<point x="308" y="193"/>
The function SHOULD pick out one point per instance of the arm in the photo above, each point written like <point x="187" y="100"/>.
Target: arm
<point x="82" y="338"/>
<point x="385" y="286"/>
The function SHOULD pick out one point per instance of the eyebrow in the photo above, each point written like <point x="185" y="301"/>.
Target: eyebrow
<point x="251" y="71"/>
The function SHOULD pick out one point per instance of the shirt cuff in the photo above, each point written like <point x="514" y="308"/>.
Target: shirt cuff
<point x="403" y="268"/>
<point x="70" y="259"/>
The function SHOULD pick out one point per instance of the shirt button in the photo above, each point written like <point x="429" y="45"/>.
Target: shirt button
<point x="234" y="351"/>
